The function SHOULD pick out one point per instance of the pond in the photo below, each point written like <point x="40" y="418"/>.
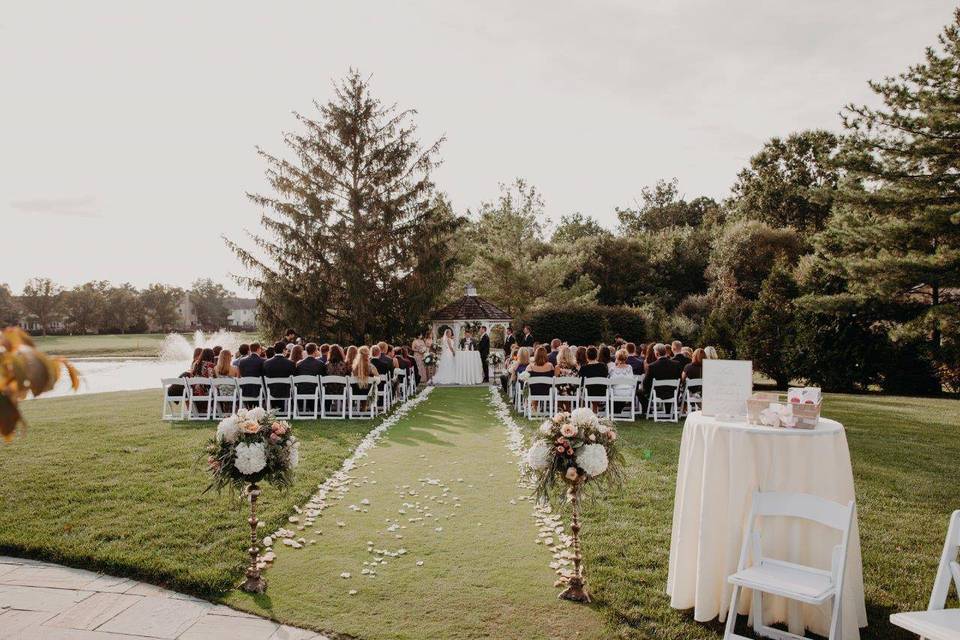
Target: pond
<point x="98" y="375"/>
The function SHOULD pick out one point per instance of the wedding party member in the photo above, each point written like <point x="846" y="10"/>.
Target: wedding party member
<point x="554" y="348"/>
<point x="678" y="355"/>
<point x="664" y="368"/>
<point x="483" y="346"/>
<point x="526" y="340"/>
<point x="242" y="352"/>
<point x="419" y="347"/>
<point x="635" y="361"/>
<point x="509" y="340"/>
<point x="290" y="336"/>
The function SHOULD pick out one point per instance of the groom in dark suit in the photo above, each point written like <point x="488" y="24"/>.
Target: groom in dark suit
<point x="483" y="346"/>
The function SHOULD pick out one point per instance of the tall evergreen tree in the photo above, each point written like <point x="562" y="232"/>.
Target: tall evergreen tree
<point x="356" y="242"/>
<point x="768" y="335"/>
<point x="895" y="238"/>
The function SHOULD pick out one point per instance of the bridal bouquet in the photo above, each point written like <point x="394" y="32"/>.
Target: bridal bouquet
<point x="250" y="447"/>
<point x="574" y="450"/>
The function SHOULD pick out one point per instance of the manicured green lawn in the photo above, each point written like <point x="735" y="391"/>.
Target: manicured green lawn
<point x="131" y="344"/>
<point x="99" y="481"/>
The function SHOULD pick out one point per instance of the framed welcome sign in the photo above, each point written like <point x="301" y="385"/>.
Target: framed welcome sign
<point x="727" y="385"/>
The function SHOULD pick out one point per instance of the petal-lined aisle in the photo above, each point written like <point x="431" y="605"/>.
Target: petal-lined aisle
<point x="432" y="536"/>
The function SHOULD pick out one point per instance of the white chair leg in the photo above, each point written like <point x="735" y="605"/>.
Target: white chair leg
<point x="732" y="614"/>
<point x="756" y="610"/>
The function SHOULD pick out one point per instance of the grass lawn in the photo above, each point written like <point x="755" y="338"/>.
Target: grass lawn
<point x="99" y="481"/>
<point x="113" y="488"/>
<point x="130" y="344"/>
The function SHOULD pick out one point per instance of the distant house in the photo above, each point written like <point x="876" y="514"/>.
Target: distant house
<point x="243" y="313"/>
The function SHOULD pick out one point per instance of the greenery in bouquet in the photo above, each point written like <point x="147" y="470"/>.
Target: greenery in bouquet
<point x="495" y="359"/>
<point x="252" y="446"/>
<point x="429" y="358"/>
<point x="574" y="451"/>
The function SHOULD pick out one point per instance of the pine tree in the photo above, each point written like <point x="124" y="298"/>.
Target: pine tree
<point x="357" y="236"/>
<point x="768" y="335"/>
<point x="895" y="236"/>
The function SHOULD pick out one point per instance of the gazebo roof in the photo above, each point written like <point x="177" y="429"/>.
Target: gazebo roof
<point x="471" y="307"/>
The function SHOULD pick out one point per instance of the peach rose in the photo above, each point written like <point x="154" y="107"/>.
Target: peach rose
<point x="568" y="430"/>
<point x="572" y="474"/>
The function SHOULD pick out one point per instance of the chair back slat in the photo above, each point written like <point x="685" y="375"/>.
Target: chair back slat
<point x="803" y="505"/>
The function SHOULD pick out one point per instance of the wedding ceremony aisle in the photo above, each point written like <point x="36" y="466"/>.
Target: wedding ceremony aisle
<point x="433" y="539"/>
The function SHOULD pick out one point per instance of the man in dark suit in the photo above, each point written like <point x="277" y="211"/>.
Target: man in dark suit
<point x="554" y="351"/>
<point x="483" y="346"/>
<point x="526" y="340"/>
<point x="635" y="361"/>
<point x="508" y="341"/>
<point x="678" y="355"/>
<point x="311" y="365"/>
<point x="279" y="366"/>
<point x="663" y="368"/>
<point x="251" y="366"/>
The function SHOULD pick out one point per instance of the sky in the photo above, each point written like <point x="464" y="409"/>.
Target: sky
<point x="128" y="129"/>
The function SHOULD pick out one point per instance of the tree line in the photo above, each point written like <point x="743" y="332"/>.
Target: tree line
<point x="101" y="307"/>
<point x="835" y="258"/>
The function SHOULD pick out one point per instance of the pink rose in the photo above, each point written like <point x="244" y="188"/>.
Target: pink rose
<point x="274" y="438"/>
<point x="568" y="430"/>
<point x="279" y="428"/>
<point x="560" y="449"/>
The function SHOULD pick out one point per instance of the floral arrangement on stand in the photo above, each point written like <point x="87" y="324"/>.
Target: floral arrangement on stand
<point x="495" y="360"/>
<point x="573" y="452"/>
<point x="252" y="447"/>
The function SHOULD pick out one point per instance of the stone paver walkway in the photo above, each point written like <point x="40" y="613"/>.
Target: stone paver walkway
<point x="42" y="601"/>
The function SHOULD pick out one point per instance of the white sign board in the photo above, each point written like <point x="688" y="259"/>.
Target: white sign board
<point x="727" y="385"/>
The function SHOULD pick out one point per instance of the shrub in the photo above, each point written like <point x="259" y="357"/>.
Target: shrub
<point x="587" y="324"/>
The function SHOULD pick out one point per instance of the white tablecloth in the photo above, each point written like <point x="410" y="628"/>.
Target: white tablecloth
<point x="469" y="368"/>
<point x="721" y="465"/>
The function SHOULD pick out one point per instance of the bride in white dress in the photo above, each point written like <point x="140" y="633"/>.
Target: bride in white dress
<point x="447" y="367"/>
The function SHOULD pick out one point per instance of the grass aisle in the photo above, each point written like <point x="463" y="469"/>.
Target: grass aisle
<point x="481" y="576"/>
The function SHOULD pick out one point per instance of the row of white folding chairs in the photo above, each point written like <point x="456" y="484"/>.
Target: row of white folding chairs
<point x="223" y="396"/>
<point x="619" y="399"/>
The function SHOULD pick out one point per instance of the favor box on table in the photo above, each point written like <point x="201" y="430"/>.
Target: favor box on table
<point x="807" y="414"/>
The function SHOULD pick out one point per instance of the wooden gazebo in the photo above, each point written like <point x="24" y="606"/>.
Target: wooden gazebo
<point x="470" y="309"/>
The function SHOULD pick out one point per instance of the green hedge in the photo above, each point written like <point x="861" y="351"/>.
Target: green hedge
<point x="588" y="324"/>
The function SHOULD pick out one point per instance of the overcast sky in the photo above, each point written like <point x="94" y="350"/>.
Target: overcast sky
<point x="128" y="128"/>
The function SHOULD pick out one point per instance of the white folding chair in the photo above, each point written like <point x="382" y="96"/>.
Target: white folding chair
<point x="355" y="402"/>
<point x="306" y="403"/>
<point x="518" y="395"/>
<point x="412" y="380"/>
<point x="692" y="398"/>
<point x="592" y="396"/>
<point x="664" y="407"/>
<point x="402" y="387"/>
<point x="623" y="390"/>
<point x="225" y="393"/>
<point x="786" y="579"/>
<point x="937" y="623"/>
<point x="279" y="396"/>
<point x="333" y="404"/>
<point x="251" y="392"/>
<point x="384" y="400"/>
<point x="539" y="402"/>
<point x="199" y="403"/>
<point x="566" y="389"/>
<point x="638" y="398"/>
<point x="174" y="399"/>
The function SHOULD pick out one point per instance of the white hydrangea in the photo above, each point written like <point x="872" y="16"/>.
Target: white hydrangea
<point x="602" y="428"/>
<point x="256" y="414"/>
<point x="251" y="458"/>
<point x="228" y="430"/>
<point x="584" y="417"/>
<point x="547" y="427"/>
<point x="538" y="457"/>
<point x="592" y="458"/>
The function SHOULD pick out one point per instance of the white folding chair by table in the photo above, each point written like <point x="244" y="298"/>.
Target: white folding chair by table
<point x="335" y="395"/>
<point x="937" y="623"/>
<point x="225" y="394"/>
<point x="786" y="579"/>
<point x="174" y="399"/>
<point x="251" y="392"/>
<point x="539" y="402"/>
<point x="665" y="407"/>
<point x="365" y="396"/>
<point x="692" y="397"/>
<point x="199" y="403"/>
<point x="566" y="389"/>
<point x="306" y="403"/>
<point x="279" y="396"/>
<point x="623" y="390"/>
<point x="596" y="401"/>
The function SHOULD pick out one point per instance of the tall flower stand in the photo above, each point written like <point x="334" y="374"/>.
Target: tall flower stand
<point x="576" y="586"/>
<point x="254" y="583"/>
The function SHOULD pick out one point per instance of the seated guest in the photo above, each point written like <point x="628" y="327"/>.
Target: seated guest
<point x="541" y="363"/>
<point x="649" y="357"/>
<point x="242" y="352"/>
<point x="566" y="364"/>
<point x="605" y="357"/>
<point x="663" y="368"/>
<point x="710" y="353"/>
<point x="324" y="352"/>
<point x="554" y="349"/>
<point x="225" y="367"/>
<point x="204" y="367"/>
<point x="196" y="358"/>
<point x="581" y="356"/>
<point x="518" y="366"/>
<point x="364" y="371"/>
<point x="336" y="366"/>
<point x="270" y="352"/>
<point x="251" y="366"/>
<point x="311" y="365"/>
<point x="350" y="355"/>
<point x="381" y="362"/>
<point x="593" y="368"/>
<point x="622" y="373"/>
<point x="635" y="361"/>
<point x="278" y="366"/>
<point x="678" y="354"/>
<point x="694" y="370"/>
<point x="296" y="354"/>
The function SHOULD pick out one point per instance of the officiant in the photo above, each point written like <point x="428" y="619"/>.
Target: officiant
<point x="467" y="343"/>
<point x="483" y="346"/>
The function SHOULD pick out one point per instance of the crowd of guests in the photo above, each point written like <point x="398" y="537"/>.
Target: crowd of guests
<point x="622" y="359"/>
